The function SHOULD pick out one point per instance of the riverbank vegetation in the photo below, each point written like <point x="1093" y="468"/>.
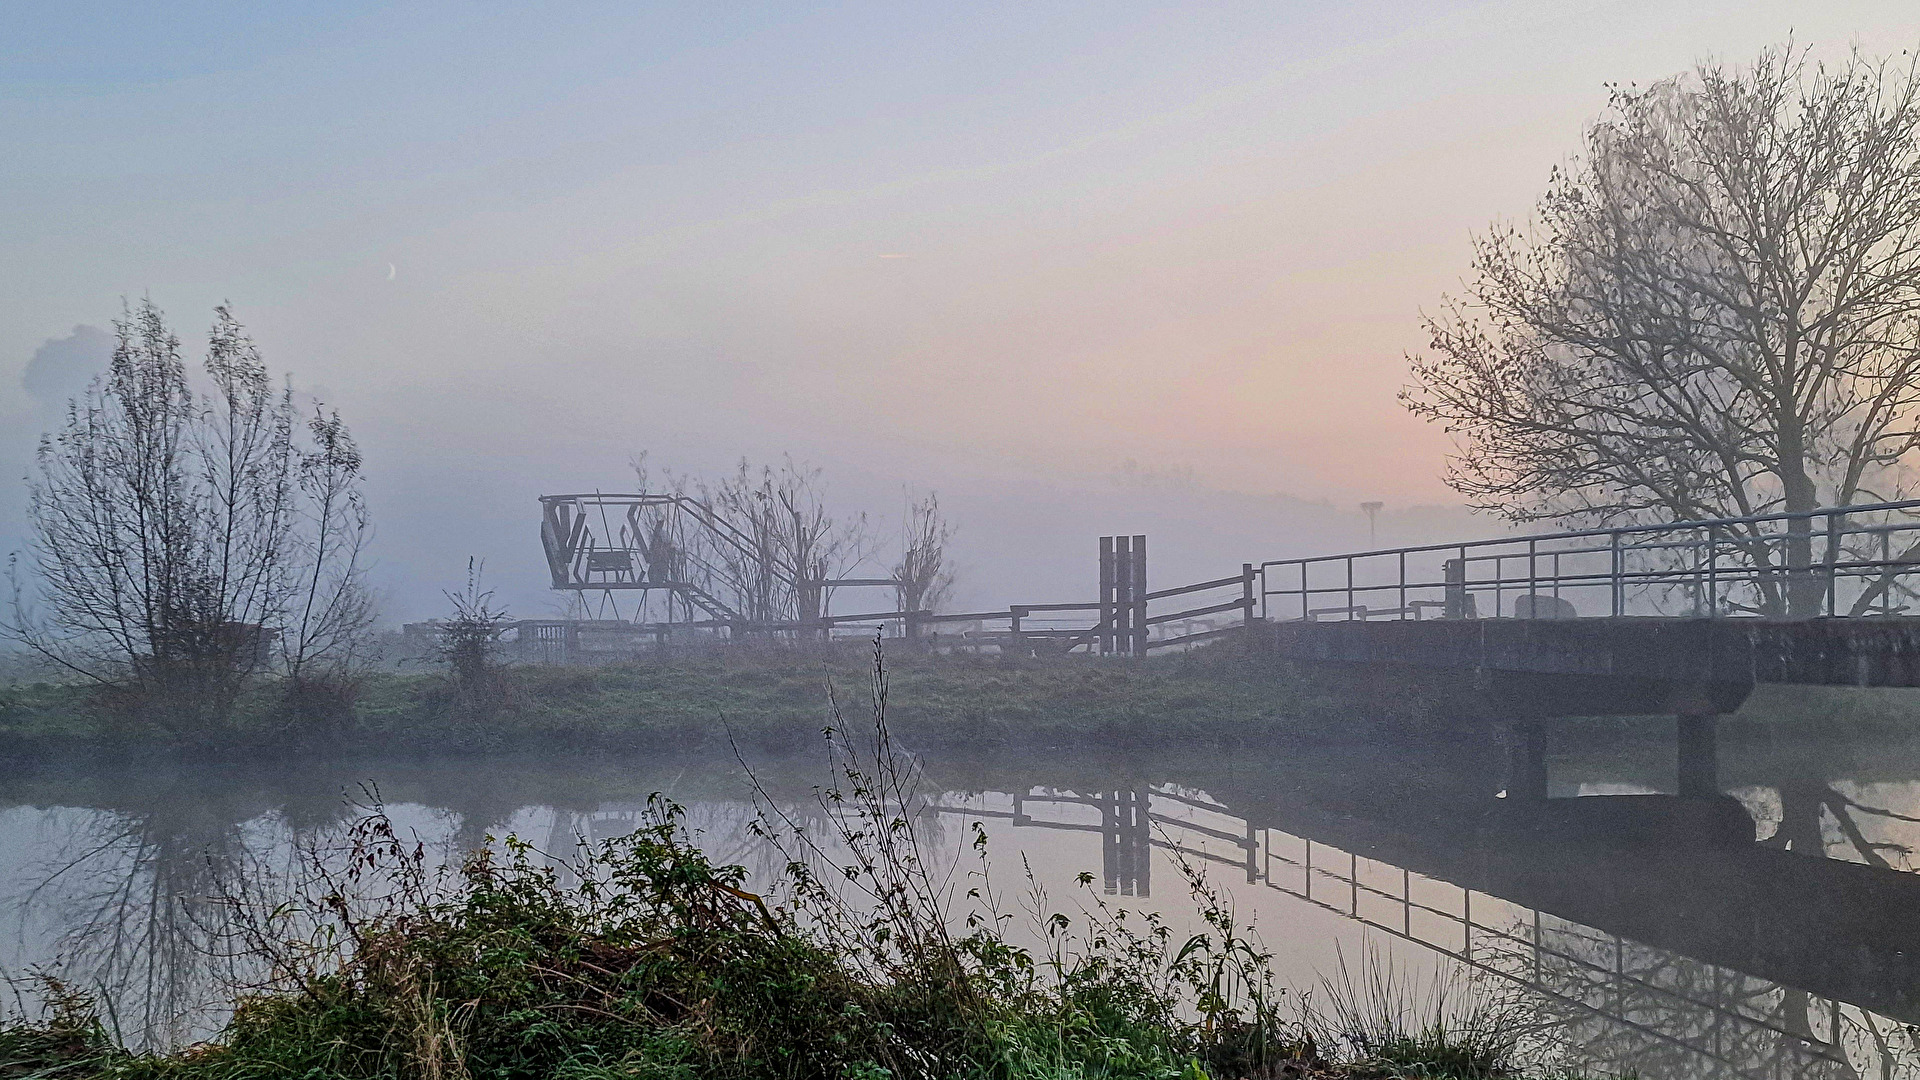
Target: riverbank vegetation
<point x="193" y="533"/>
<point x="762" y="698"/>
<point x="663" y="965"/>
<point x="857" y="959"/>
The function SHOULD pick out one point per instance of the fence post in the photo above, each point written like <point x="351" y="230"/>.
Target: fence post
<point x="1403" y="586"/>
<point x="1106" y="596"/>
<point x="1713" y="571"/>
<point x="1834" y="533"/>
<point x="1138" y="581"/>
<point x="1246" y="594"/>
<point x="1614" y="574"/>
<point x="1886" y="561"/>
<point x="1456" y="578"/>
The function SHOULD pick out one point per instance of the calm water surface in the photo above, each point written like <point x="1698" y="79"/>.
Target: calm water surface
<point x="1770" y="934"/>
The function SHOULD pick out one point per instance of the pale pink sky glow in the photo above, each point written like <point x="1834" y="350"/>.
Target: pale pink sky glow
<point x="948" y="250"/>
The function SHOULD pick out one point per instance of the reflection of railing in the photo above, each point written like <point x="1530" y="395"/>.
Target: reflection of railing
<point x="1853" y="560"/>
<point x="1662" y="999"/>
<point x="1537" y="949"/>
<point x="1129" y="831"/>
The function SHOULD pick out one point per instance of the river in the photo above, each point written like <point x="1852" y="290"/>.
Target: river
<point x="1657" y="938"/>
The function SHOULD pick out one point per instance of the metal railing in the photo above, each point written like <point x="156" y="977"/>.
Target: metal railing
<point x="1843" y="561"/>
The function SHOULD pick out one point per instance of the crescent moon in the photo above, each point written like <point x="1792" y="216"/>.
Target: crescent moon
<point x="391" y="271"/>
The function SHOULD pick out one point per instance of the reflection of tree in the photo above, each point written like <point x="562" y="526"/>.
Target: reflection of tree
<point x="1807" y="803"/>
<point x="1623" y="1008"/>
<point x="132" y="873"/>
<point x="137" y="897"/>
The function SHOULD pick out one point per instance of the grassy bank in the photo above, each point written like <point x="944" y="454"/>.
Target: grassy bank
<point x="761" y="699"/>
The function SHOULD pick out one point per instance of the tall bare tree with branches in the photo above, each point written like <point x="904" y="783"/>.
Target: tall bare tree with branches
<point x="789" y="542"/>
<point x="924" y="573"/>
<point x="193" y="534"/>
<point x="1715" y="313"/>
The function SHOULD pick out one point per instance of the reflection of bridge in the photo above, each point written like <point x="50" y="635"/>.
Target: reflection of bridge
<point x="1686" y="957"/>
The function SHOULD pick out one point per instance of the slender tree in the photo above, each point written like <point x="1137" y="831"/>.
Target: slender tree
<point x="924" y="574"/>
<point x="782" y="544"/>
<point x="189" y="538"/>
<point x="1716" y="313"/>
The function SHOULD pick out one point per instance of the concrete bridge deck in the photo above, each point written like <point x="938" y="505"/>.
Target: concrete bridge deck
<point x="1532" y="668"/>
<point x="1877" y="651"/>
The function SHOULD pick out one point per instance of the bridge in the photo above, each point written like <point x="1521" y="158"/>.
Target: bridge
<point x="1700" y="607"/>
<point x="1683" y="617"/>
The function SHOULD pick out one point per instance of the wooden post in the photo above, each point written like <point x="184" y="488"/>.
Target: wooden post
<point x="1122" y="594"/>
<point x="1246" y="594"/>
<point x="1138" y="581"/>
<point x="1105" y="636"/>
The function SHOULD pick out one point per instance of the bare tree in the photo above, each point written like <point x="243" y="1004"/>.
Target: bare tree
<point x="820" y="546"/>
<point x="764" y="543"/>
<point x="188" y="540"/>
<point x="924" y="574"/>
<point x="1715" y="314"/>
<point x="785" y="545"/>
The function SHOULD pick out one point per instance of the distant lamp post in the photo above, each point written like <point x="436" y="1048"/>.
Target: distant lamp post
<point x="1372" y="510"/>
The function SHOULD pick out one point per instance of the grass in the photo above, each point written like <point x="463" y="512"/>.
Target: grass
<point x="1400" y="1025"/>
<point x="768" y="698"/>
<point x="651" y="961"/>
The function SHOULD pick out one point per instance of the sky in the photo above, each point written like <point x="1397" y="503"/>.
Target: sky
<point x="996" y="250"/>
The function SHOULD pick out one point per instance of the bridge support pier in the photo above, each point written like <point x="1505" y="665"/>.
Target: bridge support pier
<point x="1698" y="755"/>
<point x="1526" y="762"/>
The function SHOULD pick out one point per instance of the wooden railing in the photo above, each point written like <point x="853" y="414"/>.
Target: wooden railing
<point x="1132" y="625"/>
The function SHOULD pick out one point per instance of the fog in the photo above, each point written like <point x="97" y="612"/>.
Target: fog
<point x="1100" y="268"/>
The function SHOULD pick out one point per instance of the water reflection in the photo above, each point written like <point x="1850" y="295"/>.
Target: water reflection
<point x="1671" y="951"/>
